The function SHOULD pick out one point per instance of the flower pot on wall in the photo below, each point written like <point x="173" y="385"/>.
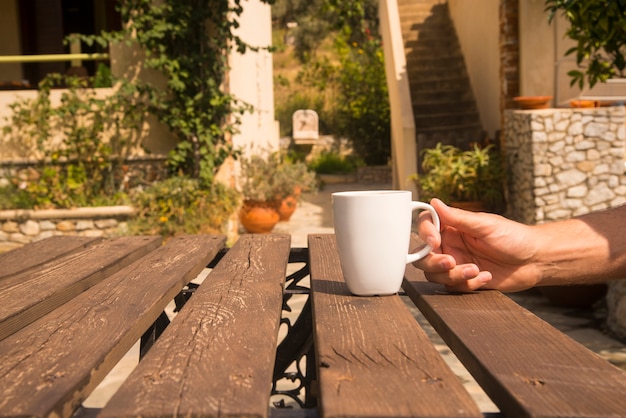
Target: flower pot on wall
<point x="582" y="103"/>
<point x="532" y="102"/>
<point x="259" y="217"/>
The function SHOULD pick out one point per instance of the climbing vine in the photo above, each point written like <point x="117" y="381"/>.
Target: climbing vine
<point x="188" y="42"/>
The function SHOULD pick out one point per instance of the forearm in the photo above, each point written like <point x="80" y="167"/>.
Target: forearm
<point x="587" y="249"/>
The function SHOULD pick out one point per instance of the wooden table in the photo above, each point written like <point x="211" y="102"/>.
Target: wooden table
<point x="71" y="307"/>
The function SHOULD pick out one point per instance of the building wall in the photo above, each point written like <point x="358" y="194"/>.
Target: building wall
<point x="10" y="40"/>
<point x="477" y="27"/>
<point x="542" y="46"/>
<point x="251" y="80"/>
<point x="543" y="65"/>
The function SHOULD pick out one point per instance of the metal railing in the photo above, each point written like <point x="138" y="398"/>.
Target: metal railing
<point x="53" y="57"/>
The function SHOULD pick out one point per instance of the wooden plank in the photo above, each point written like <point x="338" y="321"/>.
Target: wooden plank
<point x="30" y="295"/>
<point x="216" y="358"/>
<point x="525" y="365"/>
<point x="37" y="253"/>
<point x="373" y="358"/>
<point x="49" y="367"/>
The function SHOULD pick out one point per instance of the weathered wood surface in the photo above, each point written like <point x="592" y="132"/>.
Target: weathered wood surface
<point x="49" y="367"/>
<point x="216" y="358"/>
<point x="525" y="365"/>
<point x="24" y="297"/>
<point x="37" y="253"/>
<point x="374" y="360"/>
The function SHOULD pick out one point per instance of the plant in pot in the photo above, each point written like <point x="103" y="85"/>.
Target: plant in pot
<point x="267" y="181"/>
<point x="291" y="179"/>
<point x="471" y="179"/>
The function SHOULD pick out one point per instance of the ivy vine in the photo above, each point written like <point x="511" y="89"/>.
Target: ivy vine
<point x="188" y="42"/>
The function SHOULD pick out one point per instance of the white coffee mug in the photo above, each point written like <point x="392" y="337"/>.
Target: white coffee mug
<point x="373" y="230"/>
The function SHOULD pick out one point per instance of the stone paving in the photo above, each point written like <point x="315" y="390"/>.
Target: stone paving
<point x="314" y="216"/>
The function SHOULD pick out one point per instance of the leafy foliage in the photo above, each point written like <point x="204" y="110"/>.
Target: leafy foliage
<point x="187" y="42"/>
<point x="349" y="86"/>
<point x="363" y="112"/>
<point x="80" y="145"/>
<point x="182" y="205"/>
<point x="599" y="29"/>
<point x="274" y="177"/>
<point x="331" y="162"/>
<point x="454" y="175"/>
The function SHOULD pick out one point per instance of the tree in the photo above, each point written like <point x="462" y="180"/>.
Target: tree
<point x="599" y="29"/>
<point x="355" y="78"/>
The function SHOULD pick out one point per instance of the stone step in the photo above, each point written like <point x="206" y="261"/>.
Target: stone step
<point x="426" y="82"/>
<point x="436" y="47"/>
<point x="460" y="136"/>
<point x="438" y="96"/>
<point x="445" y="106"/>
<point x="446" y="120"/>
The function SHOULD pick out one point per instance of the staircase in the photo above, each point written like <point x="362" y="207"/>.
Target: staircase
<point x="443" y="103"/>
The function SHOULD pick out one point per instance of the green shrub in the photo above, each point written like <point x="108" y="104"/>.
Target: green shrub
<point x="456" y="175"/>
<point x="80" y="145"/>
<point x="179" y="205"/>
<point x="330" y="162"/>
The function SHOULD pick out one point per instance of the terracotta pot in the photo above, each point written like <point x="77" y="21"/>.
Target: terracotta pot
<point x="582" y="103"/>
<point x="289" y="204"/>
<point x="259" y="217"/>
<point x="532" y="102"/>
<point x="287" y="208"/>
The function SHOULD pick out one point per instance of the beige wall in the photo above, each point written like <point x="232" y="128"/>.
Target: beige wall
<point x="9" y="40"/>
<point x="251" y="80"/>
<point x="403" y="146"/>
<point x="543" y="65"/>
<point x="154" y="138"/>
<point x="477" y="26"/>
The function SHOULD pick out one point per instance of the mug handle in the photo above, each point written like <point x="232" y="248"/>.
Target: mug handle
<point x="427" y="248"/>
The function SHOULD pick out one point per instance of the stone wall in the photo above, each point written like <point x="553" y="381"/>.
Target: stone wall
<point x="19" y="227"/>
<point x="564" y="162"/>
<point x="568" y="162"/>
<point x="380" y="174"/>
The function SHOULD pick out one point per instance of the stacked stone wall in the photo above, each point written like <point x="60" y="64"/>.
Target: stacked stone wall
<point x="564" y="162"/>
<point x="374" y="175"/>
<point x="19" y="227"/>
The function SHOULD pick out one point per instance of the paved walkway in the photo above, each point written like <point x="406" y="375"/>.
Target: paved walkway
<point x="314" y="216"/>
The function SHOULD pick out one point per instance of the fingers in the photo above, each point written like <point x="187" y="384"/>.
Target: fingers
<point x="481" y="281"/>
<point x="442" y="268"/>
<point x="427" y="231"/>
<point x="460" y="280"/>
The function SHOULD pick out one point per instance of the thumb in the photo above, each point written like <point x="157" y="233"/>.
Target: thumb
<point x="463" y="220"/>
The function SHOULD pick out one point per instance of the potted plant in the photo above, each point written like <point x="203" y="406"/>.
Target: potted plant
<point x="291" y="179"/>
<point x="472" y="179"/>
<point x="271" y="186"/>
